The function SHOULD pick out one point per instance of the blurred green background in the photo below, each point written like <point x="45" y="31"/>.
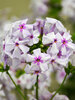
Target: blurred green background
<point x="17" y="7"/>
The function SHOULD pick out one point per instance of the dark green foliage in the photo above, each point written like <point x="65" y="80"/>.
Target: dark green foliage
<point x="70" y="69"/>
<point x="55" y="8"/>
<point x="73" y="36"/>
<point x="55" y="1"/>
<point x="69" y="88"/>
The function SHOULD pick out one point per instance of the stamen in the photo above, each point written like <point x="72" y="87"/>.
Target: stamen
<point x="17" y="44"/>
<point x="53" y="60"/>
<point x="64" y="41"/>
<point x="38" y="60"/>
<point x="55" y="40"/>
<point x="31" y="36"/>
<point x="22" y="26"/>
<point x="36" y="72"/>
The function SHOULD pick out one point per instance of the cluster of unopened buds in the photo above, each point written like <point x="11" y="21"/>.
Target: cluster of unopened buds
<point x="38" y="48"/>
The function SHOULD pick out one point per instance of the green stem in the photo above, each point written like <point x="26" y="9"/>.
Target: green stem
<point x="15" y="85"/>
<point x="25" y="92"/>
<point x="37" y="87"/>
<point x="59" y="87"/>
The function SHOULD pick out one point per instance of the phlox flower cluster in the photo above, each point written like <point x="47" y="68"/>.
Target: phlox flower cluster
<point x="38" y="46"/>
<point x="38" y="49"/>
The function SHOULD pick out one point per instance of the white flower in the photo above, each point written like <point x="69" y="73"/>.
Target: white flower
<point x="33" y="37"/>
<point x="18" y="28"/>
<point x="35" y="70"/>
<point x="60" y="97"/>
<point x="68" y="8"/>
<point x="39" y="8"/>
<point x="38" y="58"/>
<point x="47" y="39"/>
<point x="57" y="63"/>
<point x="25" y="81"/>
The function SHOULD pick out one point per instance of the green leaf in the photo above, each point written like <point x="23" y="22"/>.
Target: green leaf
<point x="70" y="69"/>
<point x="2" y="68"/>
<point x="55" y="1"/>
<point x="19" y="72"/>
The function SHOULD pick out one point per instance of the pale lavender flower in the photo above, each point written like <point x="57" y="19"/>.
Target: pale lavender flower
<point x="39" y="25"/>
<point x="68" y="6"/>
<point x="60" y="97"/>
<point x="19" y="44"/>
<point x="35" y="70"/>
<point x="44" y="94"/>
<point x="25" y="81"/>
<point x="15" y="45"/>
<point x="18" y="28"/>
<point x="38" y="58"/>
<point x="39" y="8"/>
<point x="33" y="37"/>
<point x="57" y="63"/>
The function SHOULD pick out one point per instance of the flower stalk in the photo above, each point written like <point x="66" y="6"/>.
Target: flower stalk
<point x="59" y="88"/>
<point x="25" y="92"/>
<point x="37" y="98"/>
<point x="15" y="85"/>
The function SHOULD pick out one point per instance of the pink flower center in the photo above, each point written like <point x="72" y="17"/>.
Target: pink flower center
<point x="38" y="60"/>
<point x="64" y="41"/>
<point x="36" y="72"/>
<point x="21" y="27"/>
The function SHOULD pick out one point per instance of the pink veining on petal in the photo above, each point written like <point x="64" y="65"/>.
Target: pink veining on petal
<point x="52" y="61"/>
<point x="4" y="47"/>
<point x="59" y="54"/>
<point x="55" y="40"/>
